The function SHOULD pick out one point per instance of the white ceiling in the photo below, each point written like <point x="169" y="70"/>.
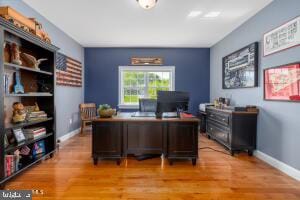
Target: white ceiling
<point x="122" y="23"/>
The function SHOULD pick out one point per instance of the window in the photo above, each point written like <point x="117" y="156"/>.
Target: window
<point x="143" y="82"/>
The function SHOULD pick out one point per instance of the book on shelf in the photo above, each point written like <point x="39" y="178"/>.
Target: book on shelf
<point x="6" y="83"/>
<point x="33" y="133"/>
<point x="11" y="164"/>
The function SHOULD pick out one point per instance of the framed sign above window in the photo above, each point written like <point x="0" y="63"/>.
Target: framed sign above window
<point x="147" y="61"/>
<point x="143" y="82"/>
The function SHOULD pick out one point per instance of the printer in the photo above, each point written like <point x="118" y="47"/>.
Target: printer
<point x="202" y="106"/>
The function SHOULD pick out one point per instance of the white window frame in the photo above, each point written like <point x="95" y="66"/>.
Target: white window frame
<point x="144" y="69"/>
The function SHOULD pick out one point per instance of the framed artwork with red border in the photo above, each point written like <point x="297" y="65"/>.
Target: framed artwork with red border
<point x="282" y="83"/>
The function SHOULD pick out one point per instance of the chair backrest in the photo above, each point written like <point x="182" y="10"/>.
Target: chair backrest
<point x="87" y="110"/>
<point x="147" y="105"/>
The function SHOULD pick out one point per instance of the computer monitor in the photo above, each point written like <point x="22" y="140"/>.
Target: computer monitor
<point x="147" y="105"/>
<point x="172" y="101"/>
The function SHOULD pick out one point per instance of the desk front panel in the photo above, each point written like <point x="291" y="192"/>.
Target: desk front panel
<point x="107" y="139"/>
<point x="122" y="135"/>
<point x="182" y="139"/>
<point x="143" y="137"/>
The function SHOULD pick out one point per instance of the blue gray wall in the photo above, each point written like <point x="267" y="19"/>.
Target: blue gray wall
<point x="101" y="75"/>
<point x="67" y="98"/>
<point x="279" y="122"/>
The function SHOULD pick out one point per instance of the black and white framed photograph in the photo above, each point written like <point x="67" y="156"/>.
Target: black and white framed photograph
<point x="19" y="135"/>
<point x="283" y="37"/>
<point x="240" y="68"/>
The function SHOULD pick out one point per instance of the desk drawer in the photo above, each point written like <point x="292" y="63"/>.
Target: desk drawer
<point x="107" y="139"/>
<point x="223" y="118"/>
<point x="218" y="132"/>
<point x="182" y="139"/>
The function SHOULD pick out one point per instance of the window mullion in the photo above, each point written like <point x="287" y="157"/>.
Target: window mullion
<point x="146" y="85"/>
<point x="122" y="88"/>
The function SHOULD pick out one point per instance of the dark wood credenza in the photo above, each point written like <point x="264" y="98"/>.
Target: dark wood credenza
<point x="236" y="130"/>
<point x="117" y="137"/>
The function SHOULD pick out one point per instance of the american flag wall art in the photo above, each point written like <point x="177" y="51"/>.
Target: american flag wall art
<point x="68" y="71"/>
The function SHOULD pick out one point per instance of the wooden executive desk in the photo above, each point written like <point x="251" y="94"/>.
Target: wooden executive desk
<point x="115" y="138"/>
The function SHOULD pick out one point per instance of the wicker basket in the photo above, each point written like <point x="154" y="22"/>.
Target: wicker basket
<point x="107" y="113"/>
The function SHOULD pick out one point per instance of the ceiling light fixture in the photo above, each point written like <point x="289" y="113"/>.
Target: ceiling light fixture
<point x="147" y="4"/>
<point x="212" y="14"/>
<point x="194" y="13"/>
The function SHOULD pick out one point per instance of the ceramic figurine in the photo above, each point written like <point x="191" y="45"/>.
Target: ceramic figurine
<point x="7" y="52"/>
<point x="15" y="54"/>
<point x="32" y="61"/>
<point x="36" y="107"/>
<point x="18" y="87"/>
<point x="19" y="114"/>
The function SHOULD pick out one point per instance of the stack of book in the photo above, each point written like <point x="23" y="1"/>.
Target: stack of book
<point x="36" y="115"/>
<point x="11" y="164"/>
<point x="33" y="133"/>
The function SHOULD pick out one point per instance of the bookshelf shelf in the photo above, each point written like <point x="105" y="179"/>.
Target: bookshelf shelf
<point x="24" y="124"/>
<point x="32" y="80"/>
<point x="33" y="94"/>
<point x="18" y="67"/>
<point x="26" y="167"/>
<point x="12" y="148"/>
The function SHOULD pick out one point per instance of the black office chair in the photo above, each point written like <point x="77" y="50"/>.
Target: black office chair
<point x="147" y="105"/>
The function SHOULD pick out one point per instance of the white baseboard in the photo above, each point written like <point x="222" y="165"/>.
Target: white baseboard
<point x="69" y="135"/>
<point x="292" y="172"/>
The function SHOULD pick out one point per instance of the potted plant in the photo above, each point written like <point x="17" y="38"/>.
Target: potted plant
<point x="106" y="111"/>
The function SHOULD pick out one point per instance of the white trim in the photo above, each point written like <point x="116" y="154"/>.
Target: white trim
<point x="126" y="106"/>
<point x="145" y="69"/>
<point x="69" y="135"/>
<point x="292" y="172"/>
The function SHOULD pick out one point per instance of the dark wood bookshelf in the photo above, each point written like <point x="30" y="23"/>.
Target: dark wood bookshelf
<point x="34" y="82"/>
<point x="12" y="148"/>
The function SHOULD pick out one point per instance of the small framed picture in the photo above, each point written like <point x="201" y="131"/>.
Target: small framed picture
<point x="19" y="135"/>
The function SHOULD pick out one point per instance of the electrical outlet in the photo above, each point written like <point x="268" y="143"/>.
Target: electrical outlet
<point x="71" y="121"/>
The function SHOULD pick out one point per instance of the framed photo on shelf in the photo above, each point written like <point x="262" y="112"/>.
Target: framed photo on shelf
<point x="283" y="37"/>
<point x="240" y="68"/>
<point x="38" y="149"/>
<point x="19" y="135"/>
<point x="282" y="83"/>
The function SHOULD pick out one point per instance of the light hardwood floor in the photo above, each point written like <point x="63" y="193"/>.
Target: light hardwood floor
<point x="71" y="175"/>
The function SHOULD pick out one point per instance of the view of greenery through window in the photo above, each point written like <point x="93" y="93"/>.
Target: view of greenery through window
<point x="143" y="84"/>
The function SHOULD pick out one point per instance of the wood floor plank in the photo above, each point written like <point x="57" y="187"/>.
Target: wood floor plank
<point x="71" y="175"/>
